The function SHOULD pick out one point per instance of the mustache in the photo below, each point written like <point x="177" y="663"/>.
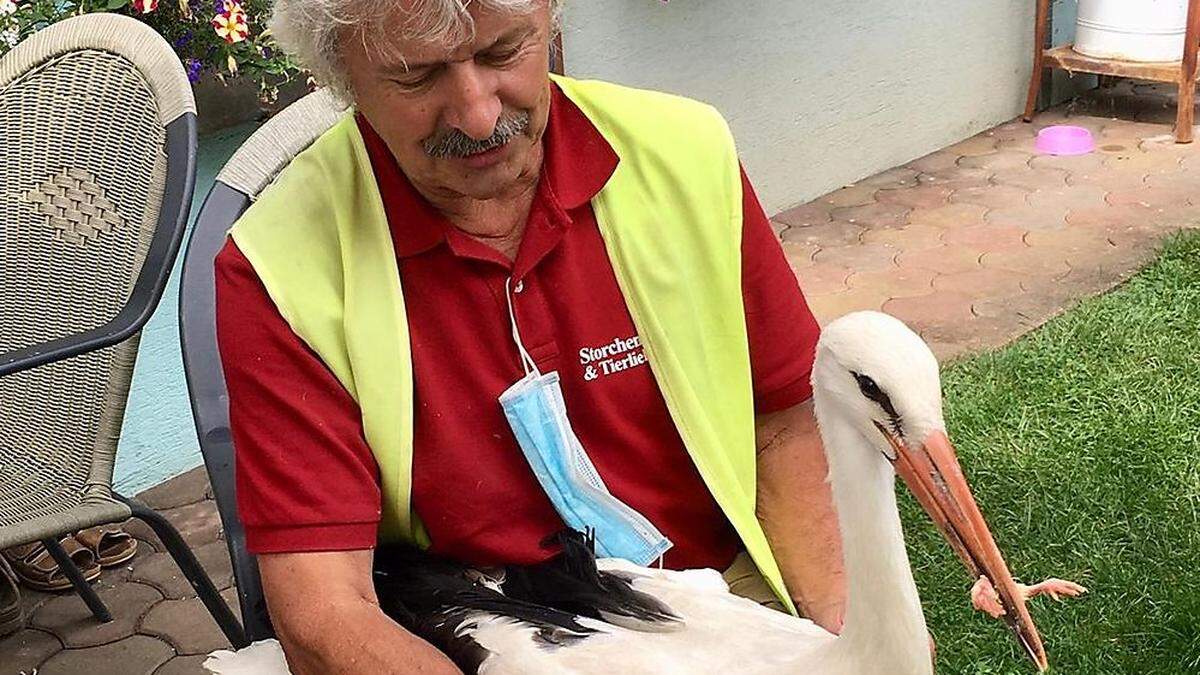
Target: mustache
<point x="454" y="144"/>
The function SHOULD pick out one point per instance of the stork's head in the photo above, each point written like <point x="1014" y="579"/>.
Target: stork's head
<point x="878" y="377"/>
<point x="881" y="374"/>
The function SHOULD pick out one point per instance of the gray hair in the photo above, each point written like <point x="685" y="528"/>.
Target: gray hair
<point x="311" y="30"/>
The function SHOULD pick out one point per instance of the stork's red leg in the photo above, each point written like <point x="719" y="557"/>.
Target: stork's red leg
<point x="984" y="598"/>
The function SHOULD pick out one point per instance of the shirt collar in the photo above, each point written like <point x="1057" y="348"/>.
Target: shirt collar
<point x="579" y="160"/>
<point x="578" y="163"/>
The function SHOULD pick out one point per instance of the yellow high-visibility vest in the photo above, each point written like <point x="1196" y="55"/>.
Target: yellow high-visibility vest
<point x="671" y="219"/>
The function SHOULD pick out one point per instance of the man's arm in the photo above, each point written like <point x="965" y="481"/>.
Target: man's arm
<point x="341" y="628"/>
<point x="795" y="506"/>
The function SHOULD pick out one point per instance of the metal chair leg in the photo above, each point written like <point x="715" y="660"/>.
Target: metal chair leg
<point x="85" y="590"/>
<point x="191" y="569"/>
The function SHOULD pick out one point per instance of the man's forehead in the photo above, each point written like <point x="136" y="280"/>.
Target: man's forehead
<point x="401" y="49"/>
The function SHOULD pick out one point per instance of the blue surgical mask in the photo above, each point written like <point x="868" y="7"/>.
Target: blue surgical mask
<point x="537" y="414"/>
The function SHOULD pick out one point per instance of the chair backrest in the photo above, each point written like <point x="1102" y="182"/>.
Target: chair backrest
<point x="251" y="169"/>
<point x="97" y="163"/>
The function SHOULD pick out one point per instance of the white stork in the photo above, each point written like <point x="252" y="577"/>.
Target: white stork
<point x="878" y="404"/>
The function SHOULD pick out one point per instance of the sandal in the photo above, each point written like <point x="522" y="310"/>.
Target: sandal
<point x="108" y="544"/>
<point x="36" y="568"/>
<point x="12" y="616"/>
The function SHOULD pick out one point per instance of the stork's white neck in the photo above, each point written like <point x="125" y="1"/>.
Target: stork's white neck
<point x="883" y="613"/>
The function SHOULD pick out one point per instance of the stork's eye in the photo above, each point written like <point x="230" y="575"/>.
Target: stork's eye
<point x="868" y="387"/>
<point x="872" y="391"/>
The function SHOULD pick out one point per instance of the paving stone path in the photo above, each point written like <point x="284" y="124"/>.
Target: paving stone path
<point x="977" y="243"/>
<point x="972" y="245"/>
<point x="159" y="625"/>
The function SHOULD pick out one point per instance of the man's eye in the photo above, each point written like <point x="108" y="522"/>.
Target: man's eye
<point x="413" y="81"/>
<point x="500" y="58"/>
<point x="411" y="85"/>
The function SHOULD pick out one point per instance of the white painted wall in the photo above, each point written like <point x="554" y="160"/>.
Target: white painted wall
<point x="819" y="93"/>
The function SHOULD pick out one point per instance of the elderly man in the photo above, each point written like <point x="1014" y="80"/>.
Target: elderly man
<point x="481" y="253"/>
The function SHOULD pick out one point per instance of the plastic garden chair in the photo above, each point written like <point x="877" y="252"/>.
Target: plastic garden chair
<point x="97" y="168"/>
<point x="251" y="169"/>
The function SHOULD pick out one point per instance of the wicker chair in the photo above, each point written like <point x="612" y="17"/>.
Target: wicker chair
<point x="97" y="167"/>
<point x="251" y="169"/>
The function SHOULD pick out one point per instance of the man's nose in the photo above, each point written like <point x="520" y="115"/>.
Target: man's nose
<point x="474" y="105"/>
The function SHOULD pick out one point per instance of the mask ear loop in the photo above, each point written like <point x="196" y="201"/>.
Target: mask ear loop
<point x="526" y="360"/>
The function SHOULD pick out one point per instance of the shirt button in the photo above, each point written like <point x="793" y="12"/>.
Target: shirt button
<point x="519" y="287"/>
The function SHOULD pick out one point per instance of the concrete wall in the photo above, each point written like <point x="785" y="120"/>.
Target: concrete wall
<point x="819" y="93"/>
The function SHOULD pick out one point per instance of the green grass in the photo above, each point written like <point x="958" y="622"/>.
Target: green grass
<point x="1082" y="441"/>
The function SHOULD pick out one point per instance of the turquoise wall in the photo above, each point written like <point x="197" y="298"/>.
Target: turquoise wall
<point x="158" y="440"/>
<point x="1062" y="21"/>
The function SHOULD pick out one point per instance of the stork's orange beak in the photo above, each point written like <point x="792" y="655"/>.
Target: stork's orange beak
<point x="933" y="474"/>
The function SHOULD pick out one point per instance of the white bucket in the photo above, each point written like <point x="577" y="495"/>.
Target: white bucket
<point x="1131" y="30"/>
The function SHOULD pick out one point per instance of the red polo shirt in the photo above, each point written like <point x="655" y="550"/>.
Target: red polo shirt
<point x="306" y="478"/>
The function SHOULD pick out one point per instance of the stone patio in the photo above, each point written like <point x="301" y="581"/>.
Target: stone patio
<point x="979" y="242"/>
<point x="159" y="625"/>
<point x="972" y="245"/>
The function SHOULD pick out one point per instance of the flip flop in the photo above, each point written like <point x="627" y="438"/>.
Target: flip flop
<point x="109" y="545"/>
<point x="36" y="568"/>
<point x="12" y="616"/>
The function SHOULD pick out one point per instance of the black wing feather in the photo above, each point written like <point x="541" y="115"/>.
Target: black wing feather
<point x="435" y="598"/>
<point x="572" y="583"/>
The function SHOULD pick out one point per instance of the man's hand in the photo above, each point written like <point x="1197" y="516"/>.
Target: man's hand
<point x="795" y="506"/>
<point x="327" y="618"/>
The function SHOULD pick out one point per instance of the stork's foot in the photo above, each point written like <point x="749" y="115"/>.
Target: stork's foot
<point x="985" y="599"/>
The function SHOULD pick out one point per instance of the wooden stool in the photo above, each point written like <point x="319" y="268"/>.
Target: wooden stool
<point x="1182" y="73"/>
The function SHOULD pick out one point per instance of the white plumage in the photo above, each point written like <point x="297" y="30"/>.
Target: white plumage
<point x="260" y="658"/>
<point x="884" y="629"/>
<point x="701" y="647"/>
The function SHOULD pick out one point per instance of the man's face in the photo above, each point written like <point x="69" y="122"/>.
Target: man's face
<point x="461" y="120"/>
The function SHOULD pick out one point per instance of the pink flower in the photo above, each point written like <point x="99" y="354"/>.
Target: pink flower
<point x="145" y="6"/>
<point x="230" y="25"/>
<point x="7" y="7"/>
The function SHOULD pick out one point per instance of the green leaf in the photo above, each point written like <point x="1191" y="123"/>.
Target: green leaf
<point x="116" y="4"/>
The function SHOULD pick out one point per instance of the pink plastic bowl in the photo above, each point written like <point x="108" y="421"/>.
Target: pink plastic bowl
<point x="1065" y="140"/>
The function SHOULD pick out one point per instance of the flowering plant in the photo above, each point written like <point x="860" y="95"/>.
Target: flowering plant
<point x="223" y="37"/>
